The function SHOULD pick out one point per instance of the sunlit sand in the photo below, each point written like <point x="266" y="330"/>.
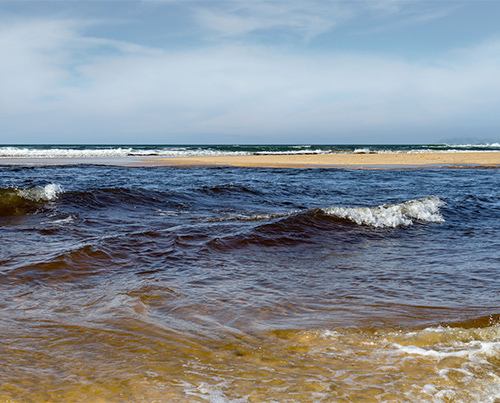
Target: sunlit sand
<point x="340" y="160"/>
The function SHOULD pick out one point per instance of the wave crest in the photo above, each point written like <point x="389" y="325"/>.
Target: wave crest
<point x="391" y="215"/>
<point x="425" y="209"/>
<point x="17" y="202"/>
<point x="40" y="193"/>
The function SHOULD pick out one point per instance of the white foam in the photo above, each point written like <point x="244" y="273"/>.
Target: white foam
<point x="51" y="191"/>
<point x="443" y="342"/>
<point x="18" y="152"/>
<point x="392" y="215"/>
<point x="61" y="222"/>
<point x="39" y="193"/>
<point x="211" y="393"/>
<point x="289" y="152"/>
<point x="453" y="364"/>
<point x="462" y="350"/>
<point x="362" y="151"/>
<point x="69" y="152"/>
<point x="483" y="145"/>
<point x="119" y="152"/>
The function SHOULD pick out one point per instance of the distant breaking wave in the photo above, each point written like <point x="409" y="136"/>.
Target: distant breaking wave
<point x="126" y="151"/>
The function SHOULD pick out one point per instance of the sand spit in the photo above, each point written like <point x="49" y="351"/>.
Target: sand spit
<point x="341" y="160"/>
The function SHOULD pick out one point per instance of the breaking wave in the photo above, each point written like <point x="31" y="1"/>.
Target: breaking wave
<point x="392" y="215"/>
<point x="124" y="151"/>
<point x="425" y="209"/>
<point x="19" y="201"/>
<point x="112" y="152"/>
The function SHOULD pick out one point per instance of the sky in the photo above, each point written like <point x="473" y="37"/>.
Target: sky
<point x="249" y="72"/>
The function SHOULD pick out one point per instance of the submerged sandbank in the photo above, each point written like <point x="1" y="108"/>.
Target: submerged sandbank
<point x="491" y="158"/>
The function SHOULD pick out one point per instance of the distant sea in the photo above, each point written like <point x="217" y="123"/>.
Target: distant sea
<point x="224" y="284"/>
<point x="110" y="151"/>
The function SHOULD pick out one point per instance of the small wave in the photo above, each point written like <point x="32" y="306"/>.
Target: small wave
<point x="229" y="188"/>
<point x="425" y="209"/>
<point x="362" y="151"/>
<point x="299" y="227"/>
<point x="392" y="215"/>
<point x="125" y="198"/>
<point x="17" y="202"/>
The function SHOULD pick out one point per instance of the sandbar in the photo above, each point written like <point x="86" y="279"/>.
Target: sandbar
<point x="381" y="160"/>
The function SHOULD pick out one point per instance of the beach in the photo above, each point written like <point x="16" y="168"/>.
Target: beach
<point x="406" y="159"/>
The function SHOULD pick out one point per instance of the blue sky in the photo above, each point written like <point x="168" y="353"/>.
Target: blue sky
<point x="255" y="71"/>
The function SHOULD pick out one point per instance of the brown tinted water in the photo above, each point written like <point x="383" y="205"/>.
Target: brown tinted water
<point x="242" y="285"/>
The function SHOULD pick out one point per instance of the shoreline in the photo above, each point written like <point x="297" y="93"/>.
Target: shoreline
<point x="469" y="159"/>
<point x="389" y="160"/>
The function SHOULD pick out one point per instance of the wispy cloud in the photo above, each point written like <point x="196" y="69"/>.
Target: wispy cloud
<point x="57" y="77"/>
<point x="53" y="78"/>
<point x="41" y="57"/>
<point x="308" y="19"/>
<point x="305" y="18"/>
<point x="393" y="15"/>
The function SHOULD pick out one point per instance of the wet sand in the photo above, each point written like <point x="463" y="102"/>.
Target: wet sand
<point x="340" y="160"/>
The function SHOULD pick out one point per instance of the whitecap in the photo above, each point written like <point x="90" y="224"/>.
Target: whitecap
<point x="38" y="193"/>
<point x="362" y="151"/>
<point x="392" y="215"/>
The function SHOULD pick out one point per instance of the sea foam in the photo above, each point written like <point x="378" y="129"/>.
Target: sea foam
<point x="39" y="193"/>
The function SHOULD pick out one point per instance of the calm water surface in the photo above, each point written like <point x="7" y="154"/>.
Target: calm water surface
<point x="249" y="285"/>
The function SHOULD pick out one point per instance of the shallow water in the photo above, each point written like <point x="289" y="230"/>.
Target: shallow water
<point x="249" y="285"/>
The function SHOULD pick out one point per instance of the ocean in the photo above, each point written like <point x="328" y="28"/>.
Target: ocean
<point x="222" y="284"/>
<point x="114" y="152"/>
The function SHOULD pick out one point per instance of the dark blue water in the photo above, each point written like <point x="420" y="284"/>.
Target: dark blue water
<point x="94" y="258"/>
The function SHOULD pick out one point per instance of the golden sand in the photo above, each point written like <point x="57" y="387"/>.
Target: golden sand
<point x="342" y="160"/>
